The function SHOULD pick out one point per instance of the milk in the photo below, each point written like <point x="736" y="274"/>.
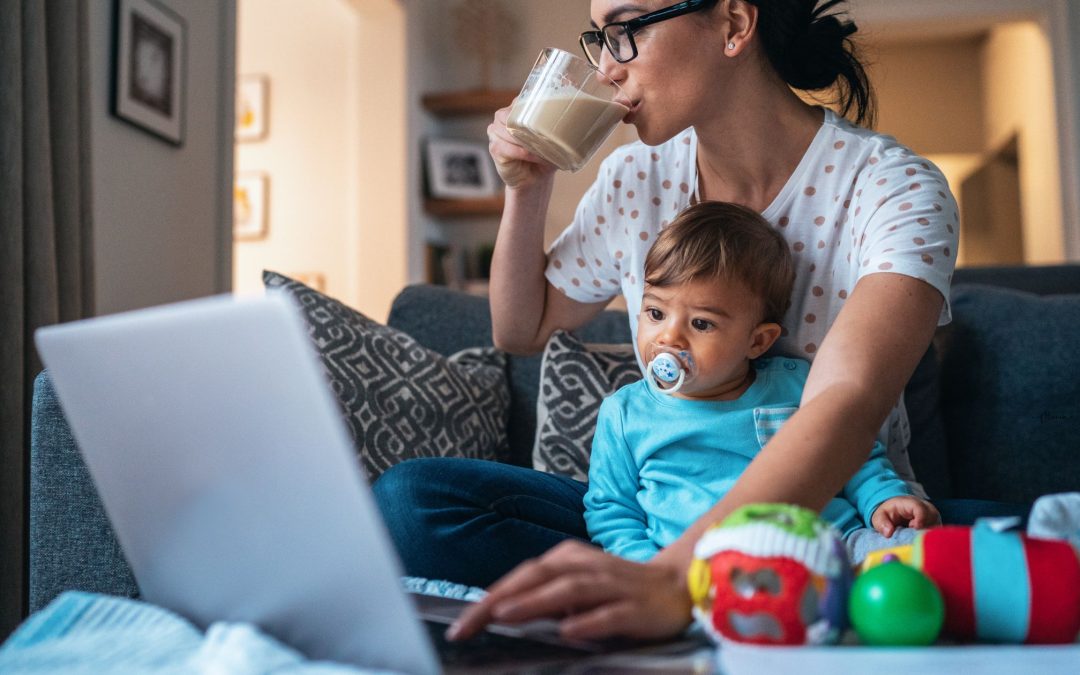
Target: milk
<point x="565" y="129"/>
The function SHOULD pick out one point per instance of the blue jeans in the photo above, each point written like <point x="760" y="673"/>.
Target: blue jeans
<point x="472" y="521"/>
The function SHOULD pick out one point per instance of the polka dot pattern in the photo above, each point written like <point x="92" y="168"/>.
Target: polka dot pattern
<point x="858" y="205"/>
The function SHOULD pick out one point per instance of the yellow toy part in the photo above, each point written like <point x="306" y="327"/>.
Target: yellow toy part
<point x="904" y="554"/>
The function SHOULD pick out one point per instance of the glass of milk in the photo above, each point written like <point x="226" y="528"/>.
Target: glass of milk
<point x="566" y="110"/>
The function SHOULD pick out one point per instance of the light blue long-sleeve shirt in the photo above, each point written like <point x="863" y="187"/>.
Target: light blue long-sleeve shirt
<point x="658" y="462"/>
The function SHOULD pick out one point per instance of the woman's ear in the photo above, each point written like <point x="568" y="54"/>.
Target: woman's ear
<point x="741" y="17"/>
<point x="763" y="337"/>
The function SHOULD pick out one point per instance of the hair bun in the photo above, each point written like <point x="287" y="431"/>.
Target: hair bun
<point x="817" y="55"/>
<point x="808" y="43"/>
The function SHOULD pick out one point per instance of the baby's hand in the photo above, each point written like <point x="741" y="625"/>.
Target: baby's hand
<point x="904" y="512"/>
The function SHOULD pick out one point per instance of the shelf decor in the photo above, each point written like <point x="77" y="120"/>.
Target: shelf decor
<point x="459" y="169"/>
<point x="484" y="30"/>
<point x="149" y="54"/>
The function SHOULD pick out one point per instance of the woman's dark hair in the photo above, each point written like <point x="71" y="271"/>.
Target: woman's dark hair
<point x="811" y="49"/>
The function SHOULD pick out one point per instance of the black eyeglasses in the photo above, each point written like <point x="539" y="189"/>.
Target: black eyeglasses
<point x="619" y="36"/>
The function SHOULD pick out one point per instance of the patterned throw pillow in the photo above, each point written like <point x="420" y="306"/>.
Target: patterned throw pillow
<point x="400" y="399"/>
<point x="574" y="379"/>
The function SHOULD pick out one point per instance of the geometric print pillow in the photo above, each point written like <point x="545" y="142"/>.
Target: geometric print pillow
<point x="574" y="379"/>
<point x="399" y="399"/>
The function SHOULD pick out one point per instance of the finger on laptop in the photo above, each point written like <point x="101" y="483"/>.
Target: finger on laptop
<point x="595" y="594"/>
<point x="509" y="593"/>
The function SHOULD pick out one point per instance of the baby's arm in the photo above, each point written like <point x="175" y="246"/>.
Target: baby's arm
<point x="614" y="518"/>
<point x="884" y="501"/>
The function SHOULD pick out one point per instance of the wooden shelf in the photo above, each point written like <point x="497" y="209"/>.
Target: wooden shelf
<point x="470" y="102"/>
<point x="449" y="208"/>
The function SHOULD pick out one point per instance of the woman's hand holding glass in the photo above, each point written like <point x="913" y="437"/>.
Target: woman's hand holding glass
<point x="517" y="167"/>
<point x="597" y="595"/>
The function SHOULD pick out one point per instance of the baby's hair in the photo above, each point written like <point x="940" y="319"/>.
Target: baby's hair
<point x="723" y="241"/>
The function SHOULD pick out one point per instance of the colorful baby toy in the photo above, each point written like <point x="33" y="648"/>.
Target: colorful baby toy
<point x="778" y="574"/>
<point x="896" y="604"/>
<point x="771" y="574"/>
<point x="999" y="585"/>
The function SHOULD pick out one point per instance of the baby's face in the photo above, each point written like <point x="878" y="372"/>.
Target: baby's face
<point x="714" y="323"/>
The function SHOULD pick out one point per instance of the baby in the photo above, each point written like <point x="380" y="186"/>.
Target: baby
<point x="718" y="281"/>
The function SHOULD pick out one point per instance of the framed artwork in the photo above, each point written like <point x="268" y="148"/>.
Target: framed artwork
<point x="459" y="169"/>
<point x="250" y="204"/>
<point x="252" y="100"/>
<point x="149" y="55"/>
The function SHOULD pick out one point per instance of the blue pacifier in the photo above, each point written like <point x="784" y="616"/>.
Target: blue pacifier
<point x="665" y="368"/>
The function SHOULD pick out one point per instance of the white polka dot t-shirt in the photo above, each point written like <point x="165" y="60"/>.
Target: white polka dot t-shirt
<point x="858" y="203"/>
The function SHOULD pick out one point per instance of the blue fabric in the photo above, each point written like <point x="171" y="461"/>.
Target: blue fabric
<point x="91" y="633"/>
<point x="968" y="511"/>
<point x="471" y="521"/>
<point x="1011" y="394"/>
<point x="660" y="462"/>
<point x="72" y="545"/>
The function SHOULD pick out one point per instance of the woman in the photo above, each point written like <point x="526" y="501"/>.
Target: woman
<point x="873" y="229"/>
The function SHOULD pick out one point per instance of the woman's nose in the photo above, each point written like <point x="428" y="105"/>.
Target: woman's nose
<point x="610" y="67"/>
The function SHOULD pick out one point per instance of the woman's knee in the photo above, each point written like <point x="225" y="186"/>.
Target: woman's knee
<point x="403" y="487"/>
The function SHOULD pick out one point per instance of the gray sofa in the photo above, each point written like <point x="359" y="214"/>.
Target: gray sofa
<point x="994" y="408"/>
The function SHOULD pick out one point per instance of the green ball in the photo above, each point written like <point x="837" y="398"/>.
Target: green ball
<point x="895" y="604"/>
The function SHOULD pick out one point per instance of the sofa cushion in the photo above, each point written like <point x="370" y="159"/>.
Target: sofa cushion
<point x="400" y="399"/>
<point x="1011" y="393"/>
<point x="574" y="379"/>
<point x="447" y="320"/>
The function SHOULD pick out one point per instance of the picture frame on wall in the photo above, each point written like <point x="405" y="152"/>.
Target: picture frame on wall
<point x="251" y="201"/>
<point x="459" y="169"/>
<point x="252" y="108"/>
<point x="149" y="68"/>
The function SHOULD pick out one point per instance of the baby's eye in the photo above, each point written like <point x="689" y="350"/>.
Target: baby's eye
<point x="701" y="324"/>
<point x="655" y="314"/>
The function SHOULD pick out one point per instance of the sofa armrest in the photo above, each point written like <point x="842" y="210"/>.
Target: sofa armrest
<point x="72" y="545"/>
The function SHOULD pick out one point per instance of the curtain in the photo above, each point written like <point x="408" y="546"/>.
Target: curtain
<point x="45" y="234"/>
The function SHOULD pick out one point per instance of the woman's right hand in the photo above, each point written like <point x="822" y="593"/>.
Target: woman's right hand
<point x="516" y="166"/>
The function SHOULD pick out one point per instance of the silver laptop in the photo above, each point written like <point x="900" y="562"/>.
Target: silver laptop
<point x="232" y="485"/>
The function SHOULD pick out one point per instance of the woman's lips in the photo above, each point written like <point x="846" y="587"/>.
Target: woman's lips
<point x="628" y="118"/>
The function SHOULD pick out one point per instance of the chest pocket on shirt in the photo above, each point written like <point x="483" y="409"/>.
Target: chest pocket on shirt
<point x="767" y="421"/>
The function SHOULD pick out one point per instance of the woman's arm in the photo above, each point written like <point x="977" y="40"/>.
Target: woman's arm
<point x="525" y="308"/>
<point x="862" y="366"/>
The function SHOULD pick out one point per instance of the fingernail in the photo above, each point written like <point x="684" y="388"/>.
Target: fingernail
<point x="452" y="631"/>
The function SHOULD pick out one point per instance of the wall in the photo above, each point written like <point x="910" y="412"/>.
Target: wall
<point x="1019" y="99"/>
<point x="383" y="149"/>
<point x="939" y="114"/>
<point x="161" y="213"/>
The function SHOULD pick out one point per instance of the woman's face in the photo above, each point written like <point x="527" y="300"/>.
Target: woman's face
<point x="673" y="80"/>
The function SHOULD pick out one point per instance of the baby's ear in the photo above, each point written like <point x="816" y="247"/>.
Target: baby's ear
<point x="763" y="337"/>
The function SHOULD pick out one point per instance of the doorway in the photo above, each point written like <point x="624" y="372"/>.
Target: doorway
<point x="323" y="175"/>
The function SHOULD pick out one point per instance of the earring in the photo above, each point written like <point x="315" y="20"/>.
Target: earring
<point x="730" y="46"/>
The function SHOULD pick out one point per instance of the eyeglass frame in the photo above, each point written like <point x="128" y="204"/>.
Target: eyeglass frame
<point x="599" y="36"/>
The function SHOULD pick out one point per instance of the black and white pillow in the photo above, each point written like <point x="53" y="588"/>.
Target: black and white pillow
<point x="574" y="379"/>
<point x="400" y="399"/>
